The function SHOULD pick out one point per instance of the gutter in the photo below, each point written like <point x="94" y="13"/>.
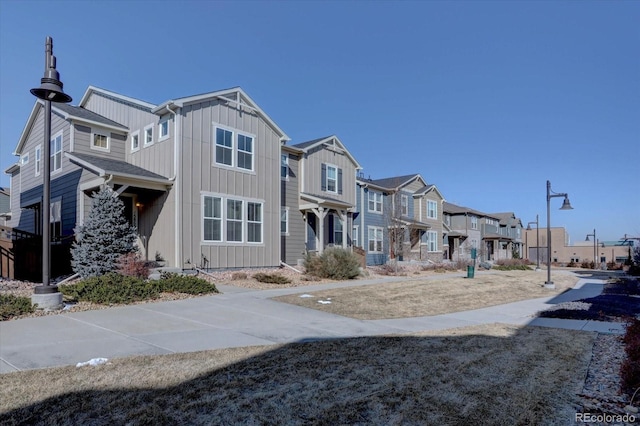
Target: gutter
<point x="178" y="200"/>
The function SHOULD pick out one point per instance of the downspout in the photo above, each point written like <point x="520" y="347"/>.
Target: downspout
<point x="176" y="184"/>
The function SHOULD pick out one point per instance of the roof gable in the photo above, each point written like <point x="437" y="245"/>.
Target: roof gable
<point x="396" y="182"/>
<point x="327" y="141"/>
<point x="109" y="94"/>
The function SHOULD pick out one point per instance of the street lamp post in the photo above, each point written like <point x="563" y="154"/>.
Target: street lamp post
<point x="50" y="90"/>
<point x="566" y="205"/>
<point x="595" y="243"/>
<point x="537" y="222"/>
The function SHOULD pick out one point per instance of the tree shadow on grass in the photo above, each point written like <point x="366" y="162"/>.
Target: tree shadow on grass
<point x="501" y="375"/>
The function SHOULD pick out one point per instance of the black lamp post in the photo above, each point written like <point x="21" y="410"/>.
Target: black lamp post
<point x="50" y="90"/>
<point x="566" y="205"/>
<point x="537" y="222"/>
<point x="595" y="250"/>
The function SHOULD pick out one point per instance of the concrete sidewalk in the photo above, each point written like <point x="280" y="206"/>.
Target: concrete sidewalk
<point x="235" y="318"/>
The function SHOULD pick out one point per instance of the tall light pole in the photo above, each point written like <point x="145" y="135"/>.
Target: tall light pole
<point x="50" y="90"/>
<point x="566" y="205"/>
<point x="537" y="222"/>
<point x="595" y="243"/>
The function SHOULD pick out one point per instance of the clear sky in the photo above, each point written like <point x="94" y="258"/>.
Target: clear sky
<point x="486" y="100"/>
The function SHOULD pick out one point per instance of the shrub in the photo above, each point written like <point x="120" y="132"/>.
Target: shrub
<point x="110" y="289"/>
<point x="13" y="306"/>
<point x="334" y="263"/>
<point x="511" y="267"/>
<point x="170" y="282"/>
<point x="131" y="265"/>
<point x="391" y="269"/>
<point x="238" y="276"/>
<point x="271" y="278"/>
<point x="630" y="368"/>
<point x="105" y="236"/>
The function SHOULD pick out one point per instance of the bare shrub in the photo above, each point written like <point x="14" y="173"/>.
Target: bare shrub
<point x="334" y="263"/>
<point x="237" y="276"/>
<point x="271" y="278"/>
<point x="131" y="265"/>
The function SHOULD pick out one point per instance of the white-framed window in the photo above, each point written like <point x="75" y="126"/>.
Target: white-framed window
<point x="55" y="160"/>
<point x="245" y="152"/>
<point x="404" y="205"/>
<point x="490" y="221"/>
<point x="337" y="230"/>
<point x="24" y="159"/>
<point x="135" y="141"/>
<point x="234" y="220"/>
<point x="100" y="141"/>
<point x="432" y="238"/>
<point x="254" y="222"/>
<point x="212" y="219"/>
<point x="375" y="239"/>
<point x="38" y="155"/>
<point x="163" y="129"/>
<point x="332" y="178"/>
<point x="432" y="209"/>
<point x="375" y="202"/>
<point x="224" y="146"/>
<point x="474" y="222"/>
<point x="284" y="220"/>
<point x="355" y="235"/>
<point x="148" y="135"/>
<point x="284" y="166"/>
<point x="447" y="220"/>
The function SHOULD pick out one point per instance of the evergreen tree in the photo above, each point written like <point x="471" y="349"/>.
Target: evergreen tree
<point x="105" y="236"/>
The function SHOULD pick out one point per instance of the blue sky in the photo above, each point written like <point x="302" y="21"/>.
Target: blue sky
<point x="487" y="100"/>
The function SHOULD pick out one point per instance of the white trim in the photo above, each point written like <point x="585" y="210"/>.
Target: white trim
<point x="72" y="137"/>
<point x="134" y="134"/>
<point x="234" y="148"/>
<point x="37" y="161"/>
<point x="286" y="211"/>
<point x="435" y="241"/>
<point x="326" y="183"/>
<point x="92" y="89"/>
<point x="245" y="220"/>
<point x="428" y="210"/>
<point x="162" y="121"/>
<point x="355" y="230"/>
<point x="286" y="162"/>
<point x="375" y="202"/>
<point x="375" y="229"/>
<point x="340" y="145"/>
<point x="24" y="159"/>
<point x="144" y="135"/>
<point x="52" y="152"/>
<point x="95" y="133"/>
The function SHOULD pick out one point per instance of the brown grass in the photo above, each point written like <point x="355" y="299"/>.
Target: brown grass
<point x="423" y="297"/>
<point x="491" y="374"/>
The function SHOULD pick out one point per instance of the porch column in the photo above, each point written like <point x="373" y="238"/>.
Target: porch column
<point x="320" y="213"/>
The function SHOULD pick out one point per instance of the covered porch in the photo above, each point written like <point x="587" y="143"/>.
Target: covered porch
<point x="328" y="222"/>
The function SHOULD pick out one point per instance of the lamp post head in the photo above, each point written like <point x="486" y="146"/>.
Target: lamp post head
<point x="528" y="227"/>
<point x="566" y="205"/>
<point x="587" y="239"/>
<point x="50" y="85"/>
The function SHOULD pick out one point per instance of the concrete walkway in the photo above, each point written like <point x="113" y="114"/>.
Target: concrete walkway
<point x="238" y="317"/>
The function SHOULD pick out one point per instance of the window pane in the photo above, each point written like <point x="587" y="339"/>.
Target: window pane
<point x="244" y="161"/>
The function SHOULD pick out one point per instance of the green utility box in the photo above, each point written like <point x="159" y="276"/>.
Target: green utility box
<point x="470" y="271"/>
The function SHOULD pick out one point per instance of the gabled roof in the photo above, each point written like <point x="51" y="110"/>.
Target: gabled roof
<point x="455" y="209"/>
<point x="234" y="95"/>
<point x="109" y="94"/>
<point x="68" y="112"/>
<point x="106" y="166"/>
<point x="506" y="218"/>
<point x="396" y="182"/>
<point x="327" y="140"/>
<point x="323" y="200"/>
<point x="426" y="189"/>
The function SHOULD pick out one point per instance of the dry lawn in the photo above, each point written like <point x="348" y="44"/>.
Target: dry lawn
<point x="425" y="297"/>
<point x="491" y="374"/>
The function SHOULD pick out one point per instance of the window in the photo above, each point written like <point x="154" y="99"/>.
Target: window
<point x="224" y="147"/>
<point x="234" y="220"/>
<point x="212" y="219"/>
<point x="100" y="141"/>
<point x="148" y="135"/>
<point x="284" y="221"/>
<point x="432" y="237"/>
<point x="404" y="205"/>
<point x="432" y="209"/>
<point x="254" y="222"/>
<point x="38" y="160"/>
<point x="337" y="230"/>
<point x="375" y="239"/>
<point x="24" y="159"/>
<point x="332" y="179"/>
<point x="55" y="160"/>
<point x="135" y="141"/>
<point x="447" y="220"/>
<point x="355" y="237"/>
<point x="284" y="166"/>
<point x="375" y="202"/>
<point x="245" y="152"/>
<point x="163" y="129"/>
<point x="491" y="221"/>
<point x="474" y="222"/>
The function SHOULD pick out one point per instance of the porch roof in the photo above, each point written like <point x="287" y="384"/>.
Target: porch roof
<point x="323" y="201"/>
<point x="412" y="223"/>
<point x="492" y="236"/>
<point x="457" y="234"/>
<point x="121" y="169"/>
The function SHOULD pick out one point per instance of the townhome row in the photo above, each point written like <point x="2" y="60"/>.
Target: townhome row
<point x="212" y="180"/>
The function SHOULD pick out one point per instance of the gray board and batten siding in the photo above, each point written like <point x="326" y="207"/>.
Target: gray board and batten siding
<point x="293" y="246"/>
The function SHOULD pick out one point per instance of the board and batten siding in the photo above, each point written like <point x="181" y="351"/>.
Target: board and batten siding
<point x="313" y="174"/>
<point x="82" y="142"/>
<point x="293" y="244"/>
<point x="200" y="175"/>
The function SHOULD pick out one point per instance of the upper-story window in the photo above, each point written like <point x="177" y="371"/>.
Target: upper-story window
<point x="474" y="222"/>
<point x="490" y="221"/>
<point x="331" y="178"/>
<point x="404" y="205"/>
<point x="163" y="129"/>
<point x="375" y="202"/>
<point x="55" y="160"/>
<point x="38" y="164"/>
<point x="447" y="220"/>
<point x="100" y="141"/>
<point x="24" y="159"/>
<point x="148" y="135"/>
<point x="135" y="141"/>
<point x="234" y="149"/>
<point x="284" y="166"/>
<point x="432" y="209"/>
